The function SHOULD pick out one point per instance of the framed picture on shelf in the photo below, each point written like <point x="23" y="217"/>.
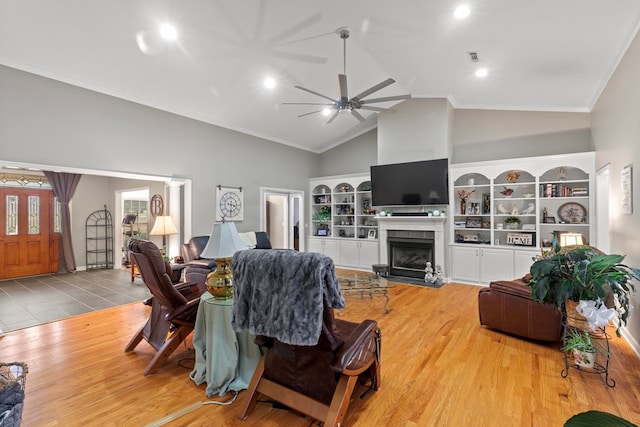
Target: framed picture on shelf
<point x="550" y="220"/>
<point x="520" y="239"/>
<point x="322" y="232"/>
<point x="486" y="204"/>
<point x="473" y="222"/>
<point x="372" y="234"/>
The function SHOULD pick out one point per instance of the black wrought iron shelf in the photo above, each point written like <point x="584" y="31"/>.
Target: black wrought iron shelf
<point x="598" y="367"/>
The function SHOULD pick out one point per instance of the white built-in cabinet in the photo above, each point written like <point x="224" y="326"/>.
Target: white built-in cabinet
<point x="359" y="254"/>
<point x="328" y="247"/>
<point x="342" y="225"/>
<point x="546" y="196"/>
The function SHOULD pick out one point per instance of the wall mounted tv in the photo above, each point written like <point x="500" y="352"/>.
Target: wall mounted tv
<point x="414" y="183"/>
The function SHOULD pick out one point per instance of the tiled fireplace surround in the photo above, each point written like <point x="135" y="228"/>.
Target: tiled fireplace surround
<point x="411" y="223"/>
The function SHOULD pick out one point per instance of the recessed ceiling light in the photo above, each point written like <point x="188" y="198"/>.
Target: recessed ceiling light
<point x="481" y="72"/>
<point x="462" y="11"/>
<point x="269" y="83"/>
<point x="326" y="111"/>
<point x="168" y="32"/>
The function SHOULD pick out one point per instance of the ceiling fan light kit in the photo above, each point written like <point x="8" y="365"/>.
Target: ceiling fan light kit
<point x="344" y="104"/>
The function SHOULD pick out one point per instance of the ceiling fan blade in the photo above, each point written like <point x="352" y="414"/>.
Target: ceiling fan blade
<point x="312" y="112"/>
<point x="358" y="116"/>
<point x="333" y="116"/>
<point x="299" y="57"/>
<point x="297" y="28"/>
<point x="315" y="93"/>
<point x="342" y="81"/>
<point x="377" y="109"/>
<point x="306" y="103"/>
<point x="375" y="88"/>
<point x="385" y="99"/>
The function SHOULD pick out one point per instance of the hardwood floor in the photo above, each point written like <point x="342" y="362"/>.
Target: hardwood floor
<point x="439" y="368"/>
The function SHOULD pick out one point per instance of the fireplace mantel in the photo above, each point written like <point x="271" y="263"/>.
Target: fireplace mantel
<point x="418" y="223"/>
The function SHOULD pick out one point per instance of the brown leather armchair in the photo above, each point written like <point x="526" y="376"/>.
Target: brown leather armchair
<point x="507" y="306"/>
<point x="173" y="307"/>
<point x="312" y="361"/>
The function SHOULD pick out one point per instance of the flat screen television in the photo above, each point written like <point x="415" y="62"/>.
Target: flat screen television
<point x="414" y="183"/>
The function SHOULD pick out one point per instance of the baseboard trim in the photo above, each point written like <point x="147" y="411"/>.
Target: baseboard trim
<point x="633" y="343"/>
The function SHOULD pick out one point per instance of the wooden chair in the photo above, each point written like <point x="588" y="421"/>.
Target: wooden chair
<point x="173" y="307"/>
<point x="319" y="379"/>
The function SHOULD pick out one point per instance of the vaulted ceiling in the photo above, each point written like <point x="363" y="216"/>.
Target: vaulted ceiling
<point x="544" y="55"/>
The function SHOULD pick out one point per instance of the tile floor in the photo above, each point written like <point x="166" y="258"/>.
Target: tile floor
<point x="31" y="301"/>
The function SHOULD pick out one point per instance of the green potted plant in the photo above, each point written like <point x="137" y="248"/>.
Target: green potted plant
<point x="584" y="273"/>
<point x="324" y="214"/>
<point x="513" y="222"/>
<point x="582" y="347"/>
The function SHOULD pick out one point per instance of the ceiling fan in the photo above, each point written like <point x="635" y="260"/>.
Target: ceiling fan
<point x="344" y="103"/>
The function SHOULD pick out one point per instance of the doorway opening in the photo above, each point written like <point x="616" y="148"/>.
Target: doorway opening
<point x="134" y="211"/>
<point x="282" y="216"/>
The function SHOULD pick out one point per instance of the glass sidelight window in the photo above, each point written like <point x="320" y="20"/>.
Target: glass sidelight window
<point x="34" y="214"/>
<point x="57" y="216"/>
<point x="12" y="215"/>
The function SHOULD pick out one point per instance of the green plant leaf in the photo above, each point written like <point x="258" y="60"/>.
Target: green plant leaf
<point x="597" y="419"/>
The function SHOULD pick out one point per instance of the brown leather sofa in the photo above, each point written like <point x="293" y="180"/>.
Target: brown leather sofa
<point x="197" y="268"/>
<point x="507" y="306"/>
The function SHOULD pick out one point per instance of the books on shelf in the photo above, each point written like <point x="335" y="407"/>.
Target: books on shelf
<point x="562" y="190"/>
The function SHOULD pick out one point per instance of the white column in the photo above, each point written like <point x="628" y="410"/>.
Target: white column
<point x="173" y="209"/>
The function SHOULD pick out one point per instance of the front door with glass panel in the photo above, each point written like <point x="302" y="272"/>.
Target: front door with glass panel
<point x="28" y="245"/>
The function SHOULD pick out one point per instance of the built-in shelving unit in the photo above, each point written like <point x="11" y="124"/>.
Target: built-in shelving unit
<point x="512" y="210"/>
<point x="342" y="224"/>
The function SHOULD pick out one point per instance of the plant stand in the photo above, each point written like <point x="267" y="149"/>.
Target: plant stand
<point x="602" y="361"/>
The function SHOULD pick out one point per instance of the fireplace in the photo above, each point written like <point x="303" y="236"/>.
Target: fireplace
<point x="409" y="251"/>
<point x="432" y="224"/>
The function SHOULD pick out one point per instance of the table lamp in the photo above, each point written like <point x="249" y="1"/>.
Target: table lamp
<point x="163" y="226"/>
<point x="571" y="239"/>
<point x="223" y="243"/>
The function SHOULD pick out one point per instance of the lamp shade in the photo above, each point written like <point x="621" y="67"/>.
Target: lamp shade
<point x="163" y="226"/>
<point x="570" y="239"/>
<point x="224" y="241"/>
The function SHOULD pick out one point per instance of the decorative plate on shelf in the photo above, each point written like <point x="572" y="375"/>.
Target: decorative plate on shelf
<point x="572" y="213"/>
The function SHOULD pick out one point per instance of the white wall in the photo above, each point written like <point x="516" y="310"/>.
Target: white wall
<point x="616" y="137"/>
<point x="480" y="135"/>
<point x="354" y="156"/>
<point x="415" y="129"/>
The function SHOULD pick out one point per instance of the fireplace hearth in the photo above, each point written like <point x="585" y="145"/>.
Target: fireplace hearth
<point x="409" y="251"/>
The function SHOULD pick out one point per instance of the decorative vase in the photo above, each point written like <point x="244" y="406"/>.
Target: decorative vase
<point x="585" y="358"/>
<point x="463" y="207"/>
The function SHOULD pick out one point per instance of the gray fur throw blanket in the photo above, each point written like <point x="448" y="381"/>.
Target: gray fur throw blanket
<point x="279" y="293"/>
